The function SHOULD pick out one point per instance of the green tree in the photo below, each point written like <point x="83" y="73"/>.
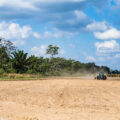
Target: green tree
<point x="6" y="50"/>
<point x="52" y="50"/>
<point x="76" y="66"/>
<point x="8" y="46"/>
<point x="38" y="65"/>
<point x="20" y="61"/>
<point x="105" y="69"/>
<point x="4" y="58"/>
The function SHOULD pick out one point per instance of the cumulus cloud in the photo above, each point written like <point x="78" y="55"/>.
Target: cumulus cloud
<point x="33" y="3"/>
<point x="54" y="34"/>
<point x="72" y="21"/>
<point x="17" y="4"/>
<point x="108" y="34"/>
<point x="90" y="59"/>
<point x="107" y="47"/>
<point x="117" y="56"/>
<point x="36" y="35"/>
<point x="101" y="59"/>
<point x="19" y="42"/>
<point x="15" y="32"/>
<point x="47" y="35"/>
<point x="62" y="52"/>
<point x="19" y="34"/>
<point x="63" y="14"/>
<point x="39" y="51"/>
<point x="97" y="26"/>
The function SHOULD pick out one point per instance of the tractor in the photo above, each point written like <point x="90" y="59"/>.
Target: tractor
<point x="101" y="76"/>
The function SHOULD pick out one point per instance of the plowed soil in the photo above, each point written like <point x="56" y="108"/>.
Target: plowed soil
<point x="60" y="99"/>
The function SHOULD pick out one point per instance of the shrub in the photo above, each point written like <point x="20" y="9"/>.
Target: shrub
<point x="2" y="72"/>
<point x="10" y="70"/>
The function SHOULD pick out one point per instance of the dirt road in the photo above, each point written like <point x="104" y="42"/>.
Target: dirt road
<point x="60" y="99"/>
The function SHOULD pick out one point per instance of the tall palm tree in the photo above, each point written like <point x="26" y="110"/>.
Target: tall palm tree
<point x="20" y="61"/>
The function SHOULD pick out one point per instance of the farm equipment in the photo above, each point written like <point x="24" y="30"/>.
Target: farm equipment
<point x="101" y="76"/>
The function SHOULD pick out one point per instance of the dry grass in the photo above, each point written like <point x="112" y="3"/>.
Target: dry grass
<point x="60" y="99"/>
<point x="15" y="76"/>
<point x="113" y="75"/>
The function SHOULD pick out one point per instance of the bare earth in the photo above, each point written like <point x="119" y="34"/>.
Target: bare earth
<point x="60" y="99"/>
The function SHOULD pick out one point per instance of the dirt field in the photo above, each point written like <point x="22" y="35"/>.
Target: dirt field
<point x="60" y="99"/>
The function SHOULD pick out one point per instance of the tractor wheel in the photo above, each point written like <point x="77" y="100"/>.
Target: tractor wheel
<point x="105" y="78"/>
<point x="98" y="78"/>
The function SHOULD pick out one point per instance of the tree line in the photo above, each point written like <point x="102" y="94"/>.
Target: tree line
<point x="13" y="60"/>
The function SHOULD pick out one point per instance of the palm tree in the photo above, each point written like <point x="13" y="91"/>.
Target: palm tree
<point x="20" y="61"/>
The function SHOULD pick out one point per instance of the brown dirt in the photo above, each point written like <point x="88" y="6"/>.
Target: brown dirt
<point x="60" y="99"/>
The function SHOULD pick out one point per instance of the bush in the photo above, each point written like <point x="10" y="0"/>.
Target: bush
<point x="10" y="70"/>
<point x="2" y="72"/>
<point x="31" y="72"/>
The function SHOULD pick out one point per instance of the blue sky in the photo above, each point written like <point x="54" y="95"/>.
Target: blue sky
<point x="85" y="30"/>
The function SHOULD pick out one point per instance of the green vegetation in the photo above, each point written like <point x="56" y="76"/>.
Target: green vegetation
<point x="13" y="61"/>
<point x="52" y="50"/>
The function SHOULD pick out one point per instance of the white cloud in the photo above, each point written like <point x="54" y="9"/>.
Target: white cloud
<point x="117" y="56"/>
<point x="109" y="34"/>
<point x="90" y="59"/>
<point x="50" y="12"/>
<point x="101" y="59"/>
<point x="36" y="35"/>
<point x="30" y="4"/>
<point x="107" y="47"/>
<point x="13" y="31"/>
<point x="18" y="4"/>
<point x="62" y="52"/>
<point x="80" y="15"/>
<point x="19" y="42"/>
<point x="39" y="51"/>
<point x="48" y="34"/>
<point x="55" y="35"/>
<point x="19" y="34"/>
<point x="97" y="26"/>
<point x="16" y="33"/>
<point x="58" y="1"/>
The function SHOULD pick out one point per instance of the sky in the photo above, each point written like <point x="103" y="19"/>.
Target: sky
<point x="85" y="30"/>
